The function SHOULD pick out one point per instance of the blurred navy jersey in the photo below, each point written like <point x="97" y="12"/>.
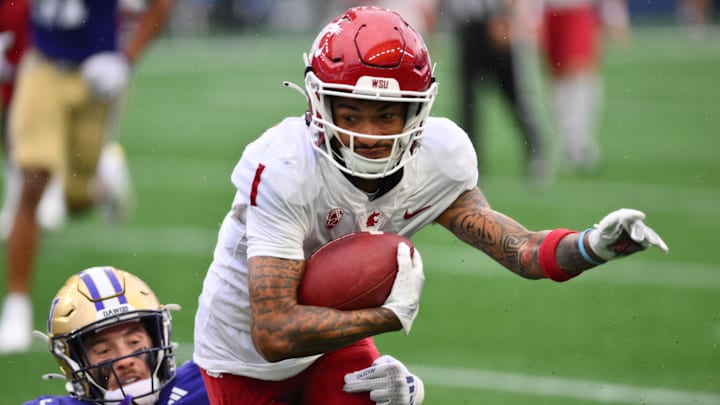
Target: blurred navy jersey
<point x="72" y="30"/>
<point x="186" y="389"/>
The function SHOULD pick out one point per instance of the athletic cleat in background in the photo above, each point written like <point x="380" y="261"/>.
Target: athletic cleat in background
<point x="114" y="191"/>
<point x="16" y="324"/>
<point x="52" y="210"/>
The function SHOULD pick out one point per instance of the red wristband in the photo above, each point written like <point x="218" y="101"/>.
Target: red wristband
<point x="546" y="255"/>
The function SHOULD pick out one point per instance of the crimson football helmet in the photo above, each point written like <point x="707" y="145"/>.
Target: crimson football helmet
<point x="96" y="299"/>
<point x="368" y="53"/>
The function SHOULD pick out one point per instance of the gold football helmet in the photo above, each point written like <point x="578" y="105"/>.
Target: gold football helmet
<point x="92" y="301"/>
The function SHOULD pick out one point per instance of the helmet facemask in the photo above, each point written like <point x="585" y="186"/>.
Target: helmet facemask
<point x="344" y="156"/>
<point x="91" y="381"/>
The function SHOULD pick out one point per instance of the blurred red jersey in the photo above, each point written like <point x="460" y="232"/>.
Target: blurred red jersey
<point x="14" y="16"/>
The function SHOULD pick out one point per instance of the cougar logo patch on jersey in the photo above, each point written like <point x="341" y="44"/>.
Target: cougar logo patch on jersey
<point x="372" y="219"/>
<point x="333" y="217"/>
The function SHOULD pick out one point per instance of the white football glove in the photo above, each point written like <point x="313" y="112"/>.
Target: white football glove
<point x="389" y="383"/>
<point x="107" y="74"/>
<point x="404" y="298"/>
<point x="622" y="233"/>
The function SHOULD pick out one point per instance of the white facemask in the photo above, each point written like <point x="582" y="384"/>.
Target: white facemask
<point x="134" y="390"/>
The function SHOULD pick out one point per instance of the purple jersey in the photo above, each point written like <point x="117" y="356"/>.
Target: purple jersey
<point x="72" y="30"/>
<point x="186" y="389"/>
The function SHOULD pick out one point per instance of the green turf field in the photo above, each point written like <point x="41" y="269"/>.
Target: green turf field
<point x="645" y="330"/>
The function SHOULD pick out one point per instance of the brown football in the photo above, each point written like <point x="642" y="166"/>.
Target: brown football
<point x="354" y="271"/>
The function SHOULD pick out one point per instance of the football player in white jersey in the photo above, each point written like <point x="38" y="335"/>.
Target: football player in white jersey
<point x="366" y="156"/>
<point x="111" y="338"/>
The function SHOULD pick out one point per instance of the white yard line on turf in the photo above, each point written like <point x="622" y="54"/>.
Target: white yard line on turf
<point x="525" y="384"/>
<point x="599" y="391"/>
<point x="546" y="386"/>
<point x="198" y="242"/>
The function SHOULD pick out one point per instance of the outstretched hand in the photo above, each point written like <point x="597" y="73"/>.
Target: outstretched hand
<point x="622" y="233"/>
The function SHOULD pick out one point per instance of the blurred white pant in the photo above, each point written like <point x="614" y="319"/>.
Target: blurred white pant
<point x="51" y="212"/>
<point x="577" y="104"/>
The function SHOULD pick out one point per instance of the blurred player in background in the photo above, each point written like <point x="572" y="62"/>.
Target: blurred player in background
<point x="696" y="16"/>
<point x="111" y="338"/>
<point x="68" y="93"/>
<point x="52" y="211"/>
<point x="14" y="38"/>
<point x="572" y="38"/>
<point x="490" y="53"/>
<point x="366" y="156"/>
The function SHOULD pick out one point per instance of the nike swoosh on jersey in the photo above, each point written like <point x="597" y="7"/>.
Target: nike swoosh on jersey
<point x="409" y="214"/>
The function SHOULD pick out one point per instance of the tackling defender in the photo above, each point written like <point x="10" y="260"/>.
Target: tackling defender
<point x="366" y="156"/>
<point x="111" y="338"/>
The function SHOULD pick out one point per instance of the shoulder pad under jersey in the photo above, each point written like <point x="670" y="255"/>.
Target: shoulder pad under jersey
<point x="450" y="148"/>
<point x="289" y="160"/>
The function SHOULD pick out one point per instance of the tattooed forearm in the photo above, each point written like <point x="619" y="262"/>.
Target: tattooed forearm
<point x="472" y="220"/>
<point x="283" y="329"/>
<point x="315" y="330"/>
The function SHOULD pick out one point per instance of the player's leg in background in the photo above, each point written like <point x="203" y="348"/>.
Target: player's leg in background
<point x="38" y="119"/>
<point x="572" y="40"/>
<point x="38" y="147"/>
<point x="466" y="85"/>
<point x="52" y="211"/>
<point x="514" y="79"/>
<point x="696" y="17"/>
<point x="112" y="186"/>
<point x="472" y="52"/>
<point x="11" y="197"/>
<point x="99" y="176"/>
<point x="11" y="185"/>
<point x="326" y="377"/>
<point x="575" y="99"/>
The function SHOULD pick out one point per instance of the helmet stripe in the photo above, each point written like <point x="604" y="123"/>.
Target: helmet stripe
<point x="116" y="285"/>
<point x="92" y="289"/>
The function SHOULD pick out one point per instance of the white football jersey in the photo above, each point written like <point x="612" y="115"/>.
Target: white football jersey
<point x="291" y="200"/>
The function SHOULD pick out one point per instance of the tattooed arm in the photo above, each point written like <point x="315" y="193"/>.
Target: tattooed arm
<point x="282" y="329"/>
<point x="471" y="219"/>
